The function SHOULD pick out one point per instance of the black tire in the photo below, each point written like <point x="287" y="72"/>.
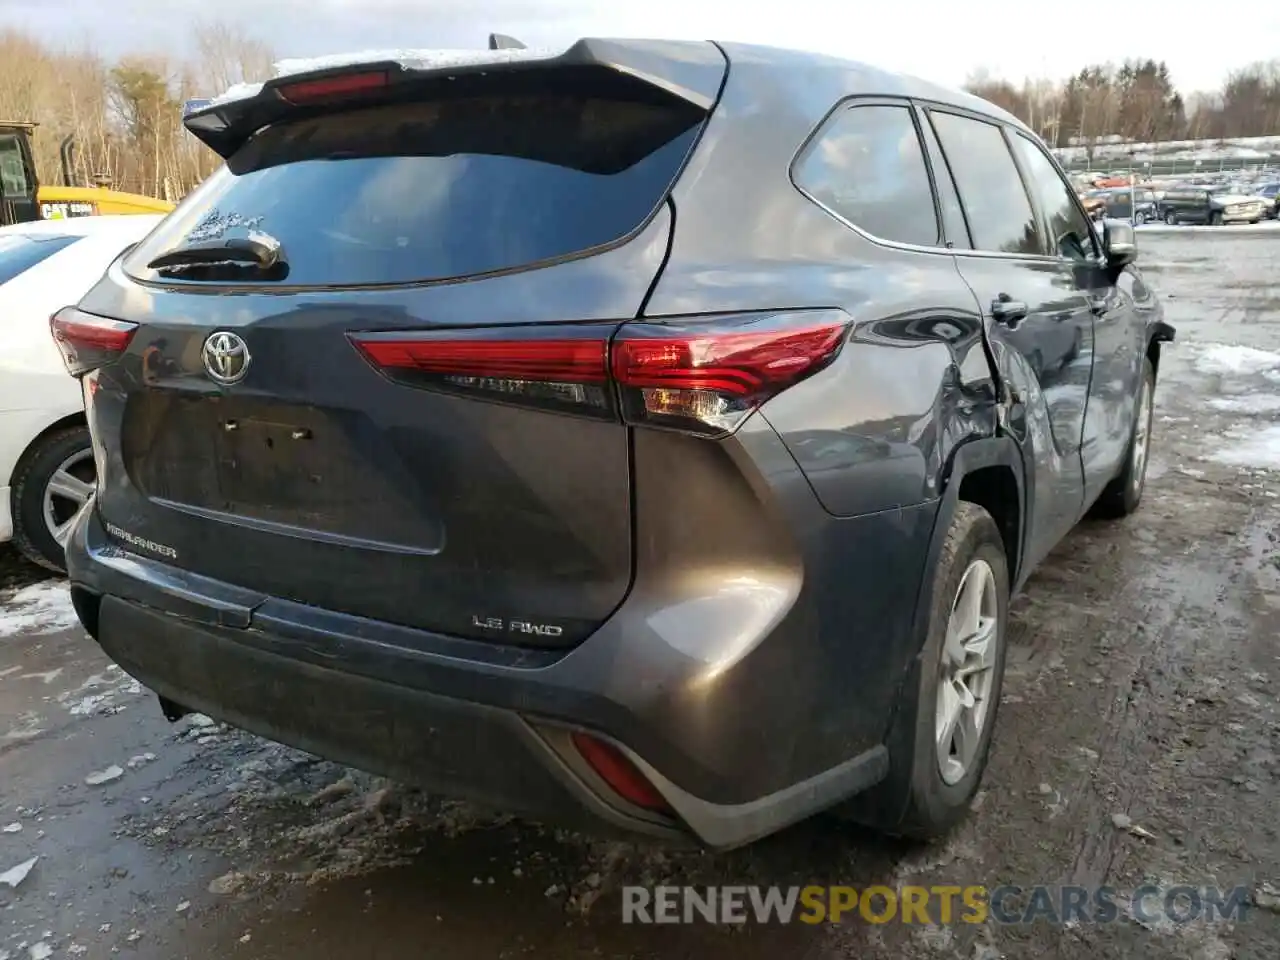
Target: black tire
<point x="1215" y="219"/>
<point x="1122" y="495"/>
<point x="934" y="807"/>
<point x="1171" y="218"/>
<point x="31" y="534"/>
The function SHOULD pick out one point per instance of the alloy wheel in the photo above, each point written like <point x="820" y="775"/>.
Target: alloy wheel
<point x="68" y="489"/>
<point x="1141" y="437"/>
<point x="967" y="672"/>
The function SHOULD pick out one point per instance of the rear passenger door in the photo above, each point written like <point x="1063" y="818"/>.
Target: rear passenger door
<point x="1037" y="317"/>
<point x="1119" y="333"/>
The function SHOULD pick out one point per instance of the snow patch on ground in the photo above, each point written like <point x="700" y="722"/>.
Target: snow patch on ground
<point x="1226" y="359"/>
<point x="1244" y="148"/>
<point x="40" y="608"/>
<point x="1259" y="448"/>
<point x="101" y="693"/>
<point x="1251" y="404"/>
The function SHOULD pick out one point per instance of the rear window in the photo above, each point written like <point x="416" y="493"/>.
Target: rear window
<point x="19" y="252"/>
<point x="440" y="189"/>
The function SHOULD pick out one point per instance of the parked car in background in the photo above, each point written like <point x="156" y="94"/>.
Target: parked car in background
<point x="1095" y="203"/>
<point x="1271" y="193"/>
<point x="1210" y="205"/>
<point x="1138" y="204"/>
<point x="46" y="460"/>
<point x="669" y="470"/>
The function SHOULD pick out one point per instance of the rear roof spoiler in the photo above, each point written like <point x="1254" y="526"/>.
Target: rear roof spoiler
<point x="690" y="70"/>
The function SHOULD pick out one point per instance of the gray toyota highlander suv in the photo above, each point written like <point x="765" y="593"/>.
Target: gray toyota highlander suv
<point x="648" y="435"/>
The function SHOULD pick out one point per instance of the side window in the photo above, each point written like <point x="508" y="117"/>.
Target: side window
<point x="13" y="173"/>
<point x="952" y="213"/>
<point x="867" y="166"/>
<point x="1070" y="235"/>
<point x="1000" y="215"/>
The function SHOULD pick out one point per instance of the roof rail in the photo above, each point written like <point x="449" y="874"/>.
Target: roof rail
<point x="500" y="41"/>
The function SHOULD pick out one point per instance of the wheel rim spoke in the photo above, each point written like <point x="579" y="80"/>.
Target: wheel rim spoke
<point x="1142" y="435"/>
<point x="62" y="531"/>
<point x="966" y="672"/>
<point x="69" y="488"/>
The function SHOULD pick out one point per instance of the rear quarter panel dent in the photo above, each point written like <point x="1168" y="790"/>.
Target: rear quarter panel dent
<point x="877" y="429"/>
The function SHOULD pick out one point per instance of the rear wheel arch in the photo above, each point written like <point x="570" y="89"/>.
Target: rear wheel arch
<point x="76" y="419"/>
<point x="64" y="437"/>
<point x="988" y="472"/>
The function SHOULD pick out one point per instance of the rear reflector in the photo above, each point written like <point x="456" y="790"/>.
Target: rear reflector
<point x="88" y="341"/>
<point x="613" y="767"/>
<point x="334" y="88"/>
<point x="699" y="375"/>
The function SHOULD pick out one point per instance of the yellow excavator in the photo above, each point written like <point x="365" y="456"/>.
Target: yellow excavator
<point x="23" y="199"/>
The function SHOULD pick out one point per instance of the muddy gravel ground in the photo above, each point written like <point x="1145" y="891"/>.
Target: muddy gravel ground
<point x="1137" y="744"/>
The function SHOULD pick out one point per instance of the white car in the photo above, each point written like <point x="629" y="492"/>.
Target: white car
<point x="46" y="462"/>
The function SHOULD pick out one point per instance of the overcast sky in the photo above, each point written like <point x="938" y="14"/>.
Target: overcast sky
<point x="942" y="40"/>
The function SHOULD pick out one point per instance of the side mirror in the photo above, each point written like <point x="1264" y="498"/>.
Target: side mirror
<point x="1119" y="243"/>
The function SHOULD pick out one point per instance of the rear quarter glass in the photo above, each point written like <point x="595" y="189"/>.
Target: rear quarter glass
<point x="441" y="189"/>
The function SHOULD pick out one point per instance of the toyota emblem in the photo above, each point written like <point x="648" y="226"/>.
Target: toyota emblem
<point x="226" y="357"/>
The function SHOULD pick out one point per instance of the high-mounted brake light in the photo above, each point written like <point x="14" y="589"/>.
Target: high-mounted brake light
<point x="560" y="368"/>
<point x="87" y="341"/>
<point x="334" y="88"/>
<point x="708" y="375"/>
<point x="701" y="375"/>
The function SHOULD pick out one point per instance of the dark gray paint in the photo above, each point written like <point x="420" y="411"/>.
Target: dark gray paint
<point x="743" y="612"/>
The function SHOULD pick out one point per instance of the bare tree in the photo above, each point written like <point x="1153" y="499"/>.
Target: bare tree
<point x="126" y="115"/>
<point x="229" y="55"/>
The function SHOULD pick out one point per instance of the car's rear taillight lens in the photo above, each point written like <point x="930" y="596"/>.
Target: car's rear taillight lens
<point x="558" y="368"/>
<point x="703" y="375"/>
<point x="88" y="341"/>
<point x="706" y="376"/>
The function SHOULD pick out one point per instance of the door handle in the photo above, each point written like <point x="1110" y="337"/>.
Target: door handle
<point x="1008" y="312"/>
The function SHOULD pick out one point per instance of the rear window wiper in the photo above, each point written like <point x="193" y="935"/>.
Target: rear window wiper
<point x="258" y="252"/>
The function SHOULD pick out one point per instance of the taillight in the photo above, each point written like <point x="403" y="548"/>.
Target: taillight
<point x="554" y="367"/>
<point x="700" y="375"/>
<point x="88" y="341"/>
<point x="707" y="376"/>
<point x="334" y="88"/>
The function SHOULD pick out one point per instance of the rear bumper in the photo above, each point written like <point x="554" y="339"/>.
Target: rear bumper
<point x="738" y="749"/>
